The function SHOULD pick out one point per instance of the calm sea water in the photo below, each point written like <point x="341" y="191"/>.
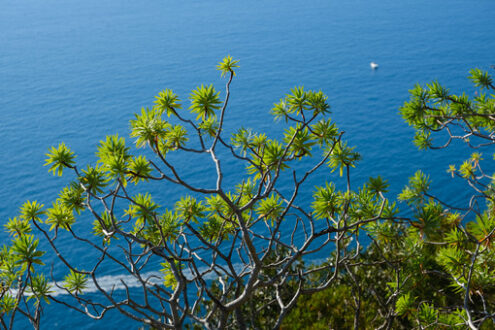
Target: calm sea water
<point x="77" y="71"/>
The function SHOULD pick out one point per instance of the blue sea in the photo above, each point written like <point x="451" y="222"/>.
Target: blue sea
<point x="78" y="71"/>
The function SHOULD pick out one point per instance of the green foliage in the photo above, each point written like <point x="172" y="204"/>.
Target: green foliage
<point x="25" y="250"/>
<point x="364" y="204"/>
<point x="481" y="78"/>
<point x="169" y="280"/>
<point x="114" y="157"/>
<point x="188" y="208"/>
<point x="9" y="267"/>
<point x="272" y="159"/>
<point x="342" y="157"/>
<point x="209" y="127"/>
<point x="429" y="218"/>
<point x="452" y="259"/>
<point x="322" y="310"/>
<point x="427" y="315"/>
<point x="94" y="179"/>
<point x="142" y="209"/>
<point x="228" y="65"/>
<point x="299" y="103"/>
<point x="105" y="227"/>
<point x="414" y="192"/>
<point x="17" y="227"/>
<point x="455" y="320"/>
<point x="434" y="261"/>
<point x="175" y="138"/>
<point x="60" y="158"/>
<point x="39" y="289"/>
<point x="423" y="140"/>
<point x="324" y="131"/>
<point x="167" y="101"/>
<point x="169" y="226"/>
<point x="301" y="141"/>
<point x="327" y="201"/>
<point x="7" y="303"/>
<point x="242" y="139"/>
<point x="204" y="101"/>
<point x="139" y="169"/>
<point x="60" y="216"/>
<point x="405" y="305"/>
<point x="73" y="197"/>
<point x="215" y="228"/>
<point x="149" y="127"/>
<point x="433" y="108"/>
<point x="298" y="100"/>
<point x="378" y="185"/>
<point x="318" y="102"/>
<point x="270" y="208"/>
<point x="31" y="211"/>
<point x="430" y="267"/>
<point x="75" y="282"/>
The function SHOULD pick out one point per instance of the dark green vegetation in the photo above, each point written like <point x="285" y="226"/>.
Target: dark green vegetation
<point x="437" y="269"/>
<point x="223" y="259"/>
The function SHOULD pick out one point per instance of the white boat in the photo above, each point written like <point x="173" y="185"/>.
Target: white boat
<point x="374" y="65"/>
